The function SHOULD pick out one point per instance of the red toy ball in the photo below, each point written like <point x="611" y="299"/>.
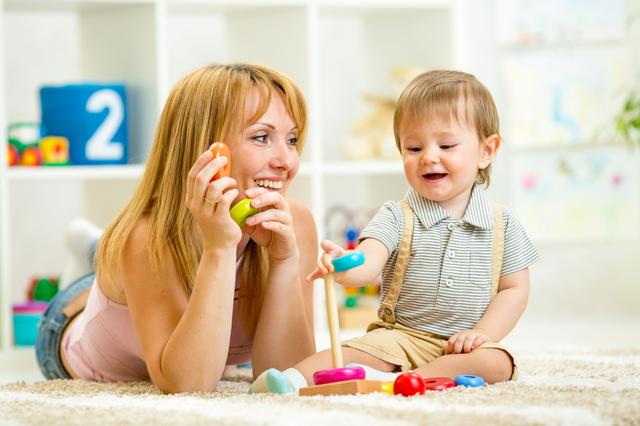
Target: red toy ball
<point x="438" y="383"/>
<point x="408" y="384"/>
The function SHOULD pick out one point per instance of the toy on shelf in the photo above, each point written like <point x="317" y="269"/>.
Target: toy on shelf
<point x="23" y="144"/>
<point x="28" y="148"/>
<point x="372" y="136"/>
<point x="26" y="317"/>
<point x="359" y="306"/>
<point x="13" y="155"/>
<point x="92" y="117"/>
<point x="55" y="151"/>
<point x="42" y="289"/>
<point x="339" y="380"/>
<point x="30" y="157"/>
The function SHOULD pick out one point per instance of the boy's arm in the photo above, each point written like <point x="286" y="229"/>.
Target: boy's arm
<point x="501" y="315"/>
<point x="375" y="255"/>
<point x="507" y="306"/>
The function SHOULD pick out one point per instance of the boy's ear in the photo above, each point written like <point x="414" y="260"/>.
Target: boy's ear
<point x="488" y="150"/>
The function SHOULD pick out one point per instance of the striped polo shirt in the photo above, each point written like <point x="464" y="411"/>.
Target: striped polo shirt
<point x="447" y="286"/>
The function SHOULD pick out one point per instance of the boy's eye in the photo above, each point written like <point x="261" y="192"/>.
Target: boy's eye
<point x="413" y="148"/>
<point x="448" y="146"/>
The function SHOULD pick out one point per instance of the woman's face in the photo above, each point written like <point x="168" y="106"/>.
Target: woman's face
<point x="266" y="154"/>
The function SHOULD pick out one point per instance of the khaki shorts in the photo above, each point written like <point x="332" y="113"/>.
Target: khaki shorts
<point x="408" y="348"/>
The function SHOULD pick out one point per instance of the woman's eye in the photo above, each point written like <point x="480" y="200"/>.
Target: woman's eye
<point x="292" y="141"/>
<point x="261" y="138"/>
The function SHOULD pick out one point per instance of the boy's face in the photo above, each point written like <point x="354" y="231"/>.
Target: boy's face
<point x="441" y="159"/>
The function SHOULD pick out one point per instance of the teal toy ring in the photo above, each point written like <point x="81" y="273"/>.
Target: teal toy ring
<point x="348" y="261"/>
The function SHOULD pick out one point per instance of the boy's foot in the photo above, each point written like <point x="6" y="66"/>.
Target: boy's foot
<point x="271" y="381"/>
<point x="373" y="374"/>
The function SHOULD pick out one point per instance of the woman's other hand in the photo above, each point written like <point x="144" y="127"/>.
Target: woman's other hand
<point x="272" y="227"/>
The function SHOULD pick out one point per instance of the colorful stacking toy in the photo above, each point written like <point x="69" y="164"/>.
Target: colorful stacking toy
<point x="340" y="380"/>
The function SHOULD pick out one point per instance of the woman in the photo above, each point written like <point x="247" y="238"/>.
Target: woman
<point x="181" y="291"/>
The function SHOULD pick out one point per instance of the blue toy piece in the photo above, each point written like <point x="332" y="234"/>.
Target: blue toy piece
<point x="93" y="117"/>
<point x="469" y="381"/>
<point x="351" y="233"/>
<point x="348" y="261"/>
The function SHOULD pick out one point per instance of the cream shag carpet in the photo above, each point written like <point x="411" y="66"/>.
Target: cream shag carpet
<point x="567" y="388"/>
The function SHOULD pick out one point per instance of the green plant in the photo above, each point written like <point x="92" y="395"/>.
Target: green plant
<point x="627" y="121"/>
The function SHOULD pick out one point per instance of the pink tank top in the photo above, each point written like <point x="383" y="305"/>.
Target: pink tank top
<point x="102" y="344"/>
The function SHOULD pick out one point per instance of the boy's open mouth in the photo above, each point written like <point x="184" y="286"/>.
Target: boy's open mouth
<point x="434" y="176"/>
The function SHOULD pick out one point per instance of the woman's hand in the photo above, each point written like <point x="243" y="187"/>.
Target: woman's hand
<point x="465" y="341"/>
<point x="331" y="251"/>
<point x="272" y="227"/>
<point x="209" y="202"/>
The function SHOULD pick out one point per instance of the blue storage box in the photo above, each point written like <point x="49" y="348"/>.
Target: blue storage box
<point x="26" y="318"/>
<point x="92" y="116"/>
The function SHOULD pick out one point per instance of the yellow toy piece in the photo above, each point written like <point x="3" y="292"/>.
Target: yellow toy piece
<point x="241" y="211"/>
<point x="55" y="150"/>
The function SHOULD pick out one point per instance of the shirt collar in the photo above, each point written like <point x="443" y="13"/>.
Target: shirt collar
<point x="478" y="213"/>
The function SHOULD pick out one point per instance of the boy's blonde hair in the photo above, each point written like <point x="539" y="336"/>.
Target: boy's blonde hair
<point x="205" y="106"/>
<point x="438" y="93"/>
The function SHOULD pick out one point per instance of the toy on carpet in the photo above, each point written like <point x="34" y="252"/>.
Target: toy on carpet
<point x="339" y="380"/>
<point x="469" y="381"/>
<point x="438" y="383"/>
<point x="243" y="209"/>
<point x="409" y="384"/>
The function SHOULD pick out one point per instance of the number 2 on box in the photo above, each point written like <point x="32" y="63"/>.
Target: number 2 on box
<point x="100" y="146"/>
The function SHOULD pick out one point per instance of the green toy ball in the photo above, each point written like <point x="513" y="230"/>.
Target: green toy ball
<point x="241" y="211"/>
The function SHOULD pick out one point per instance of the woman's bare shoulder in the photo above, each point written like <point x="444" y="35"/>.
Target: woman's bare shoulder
<point x="304" y="225"/>
<point x="301" y="213"/>
<point x="137" y="269"/>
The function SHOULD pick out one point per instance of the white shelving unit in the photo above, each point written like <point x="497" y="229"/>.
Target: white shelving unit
<point x="335" y="50"/>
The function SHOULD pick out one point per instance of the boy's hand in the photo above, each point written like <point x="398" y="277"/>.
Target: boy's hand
<point x="331" y="251"/>
<point x="465" y="341"/>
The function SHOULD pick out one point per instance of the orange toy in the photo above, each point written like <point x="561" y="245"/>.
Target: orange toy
<point x="13" y="155"/>
<point x="31" y="156"/>
<point x="219" y="149"/>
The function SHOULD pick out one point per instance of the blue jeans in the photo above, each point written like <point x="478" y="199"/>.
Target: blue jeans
<point x="52" y="325"/>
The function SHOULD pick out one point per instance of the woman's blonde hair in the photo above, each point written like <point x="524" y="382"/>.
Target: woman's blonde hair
<point x="205" y="106"/>
<point x="438" y="94"/>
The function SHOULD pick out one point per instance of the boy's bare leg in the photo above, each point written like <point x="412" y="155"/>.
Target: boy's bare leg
<point x="493" y="365"/>
<point x="322" y="361"/>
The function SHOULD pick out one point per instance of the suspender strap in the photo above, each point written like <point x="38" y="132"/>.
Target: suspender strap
<point x="404" y="254"/>
<point x="402" y="261"/>
<point x="498" y="248"/>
